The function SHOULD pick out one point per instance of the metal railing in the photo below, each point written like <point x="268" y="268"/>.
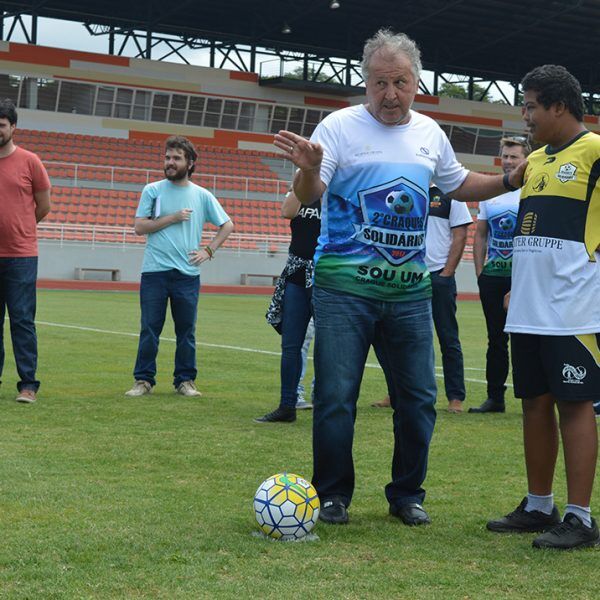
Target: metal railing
<point x="126" y="178"/>
<point x="65" y="233"/>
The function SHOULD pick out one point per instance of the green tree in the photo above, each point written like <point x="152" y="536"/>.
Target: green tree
<point x="312" y="75"/>
<point x="458" y="90"/>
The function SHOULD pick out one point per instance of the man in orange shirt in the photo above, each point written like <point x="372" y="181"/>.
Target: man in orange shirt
<point x="24" y="202"/>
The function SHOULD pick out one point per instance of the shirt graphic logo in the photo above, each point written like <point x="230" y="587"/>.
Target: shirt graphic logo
<point x="502" y="229"/>
<point x="435" y="201"/>
<point x="573" y="374"/>
<point x="567" y="172"/>
<point x="424" y="153"/>
<point x="540" y="182"/>
<point x="309" y="213"/>
<point x="394" y="215"/>
<point x="528" y="224"/>
<point x="399" y="202"/>
<point x="550" y="159"/>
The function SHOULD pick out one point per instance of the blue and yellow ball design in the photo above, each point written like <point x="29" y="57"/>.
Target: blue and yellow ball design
<point x="286" y="506"/>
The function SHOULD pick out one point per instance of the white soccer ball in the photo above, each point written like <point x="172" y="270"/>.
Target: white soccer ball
<point x="286" y="506"/>
<point x="399" y="202"/>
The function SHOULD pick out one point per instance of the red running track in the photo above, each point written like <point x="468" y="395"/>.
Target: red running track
<point x="132" y="286"/>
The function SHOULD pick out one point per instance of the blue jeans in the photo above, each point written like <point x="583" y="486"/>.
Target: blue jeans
<point x="18" y="296"/>
<point x="402" y="335"/>
<point x="156" y="289"/>
<point x="443" y="305"/>
<point x="308" y="338"/>
<point x="295" y="318"/>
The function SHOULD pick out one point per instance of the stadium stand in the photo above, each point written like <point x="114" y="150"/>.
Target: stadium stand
<point x="97" y="182"/>
<point x="99" y="123"/>
<point x="108" y="207"/>
<point x="91" y="150"/>
<point x="96" y="190"/>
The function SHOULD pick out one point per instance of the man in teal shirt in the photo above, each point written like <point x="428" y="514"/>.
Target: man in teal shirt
<point x="172" y="213"/>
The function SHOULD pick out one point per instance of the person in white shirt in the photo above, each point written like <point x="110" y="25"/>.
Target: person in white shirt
<point x="445" y="241"/>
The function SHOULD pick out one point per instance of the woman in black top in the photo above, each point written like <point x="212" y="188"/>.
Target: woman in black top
<point x="290" y="309"/>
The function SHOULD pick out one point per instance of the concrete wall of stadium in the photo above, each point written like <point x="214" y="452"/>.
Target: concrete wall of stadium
<point x="58" y="261"/>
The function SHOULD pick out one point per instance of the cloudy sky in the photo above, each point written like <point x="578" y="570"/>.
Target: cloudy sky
<point x="72" y="35"/>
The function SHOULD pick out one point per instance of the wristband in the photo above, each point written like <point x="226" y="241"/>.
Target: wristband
<point x="507" y="185"/>
<point x="209" y="251"/>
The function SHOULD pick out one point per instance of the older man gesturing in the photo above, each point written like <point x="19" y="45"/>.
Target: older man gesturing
<point x="374" y="163"/>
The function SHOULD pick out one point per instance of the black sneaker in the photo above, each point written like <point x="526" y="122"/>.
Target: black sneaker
<point x="489" y="406"/>
<point x="282" y="414"/>
<point x="596" y="406"/>
<point x="522" y="521"/>
<point x="570" y="534"/>
<point x="333" y="511"/>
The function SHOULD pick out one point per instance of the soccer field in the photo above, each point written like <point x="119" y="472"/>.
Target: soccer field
<point x="104" y="496"/>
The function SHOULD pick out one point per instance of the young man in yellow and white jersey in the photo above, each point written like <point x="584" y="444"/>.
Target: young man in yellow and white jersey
<point x="554" y="311"/>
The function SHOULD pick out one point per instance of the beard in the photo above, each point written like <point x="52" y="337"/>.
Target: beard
<point x="176" y="174"/>
<point x="5" y="140"/>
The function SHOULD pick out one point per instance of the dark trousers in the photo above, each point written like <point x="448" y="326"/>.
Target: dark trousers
<point x="492" y="291"/>
<point x="401" y="333"/>
<point x="156" y="290"/>
<point x="297" y="311"/>
<point x="443" y="306"/>
<point x="18" y="296"/>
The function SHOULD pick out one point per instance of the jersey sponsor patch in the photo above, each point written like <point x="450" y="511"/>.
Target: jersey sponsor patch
<point x="567" y="172"/>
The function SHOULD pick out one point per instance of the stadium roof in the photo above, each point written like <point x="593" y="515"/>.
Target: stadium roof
<point x="492" y="39"/>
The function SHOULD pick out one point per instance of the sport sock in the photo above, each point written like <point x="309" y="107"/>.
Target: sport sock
<point x="543" y="504"/>
<point x="583" y="512"/>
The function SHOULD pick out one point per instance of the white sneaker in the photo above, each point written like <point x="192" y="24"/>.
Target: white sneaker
<point x="303" y="405"/>
<point x="188" y="388"/>
<point x="140" y="388"/>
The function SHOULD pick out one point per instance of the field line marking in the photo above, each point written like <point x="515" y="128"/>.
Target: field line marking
<point x="440" y="376"/>
<point x="220" y="346"/>
<point x="162" y="338"/>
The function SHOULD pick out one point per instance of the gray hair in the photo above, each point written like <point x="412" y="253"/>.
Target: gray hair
<point x="394" y="43"/>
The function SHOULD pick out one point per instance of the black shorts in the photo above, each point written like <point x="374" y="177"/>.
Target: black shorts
<point x="566" y="366"/>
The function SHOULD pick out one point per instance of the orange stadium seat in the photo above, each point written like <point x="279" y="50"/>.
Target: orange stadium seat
<point x="108" y="162"/>
<point x="93" y="206"/>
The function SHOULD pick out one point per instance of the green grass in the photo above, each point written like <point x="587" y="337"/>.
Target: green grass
<point x="107" y="497"/>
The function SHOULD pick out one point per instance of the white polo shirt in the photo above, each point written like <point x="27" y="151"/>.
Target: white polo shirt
<point x="444" y="215"/>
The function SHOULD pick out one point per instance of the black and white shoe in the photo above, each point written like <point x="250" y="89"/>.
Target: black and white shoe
<point x="282" y="414"/>
<point x="333" y="511"/>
